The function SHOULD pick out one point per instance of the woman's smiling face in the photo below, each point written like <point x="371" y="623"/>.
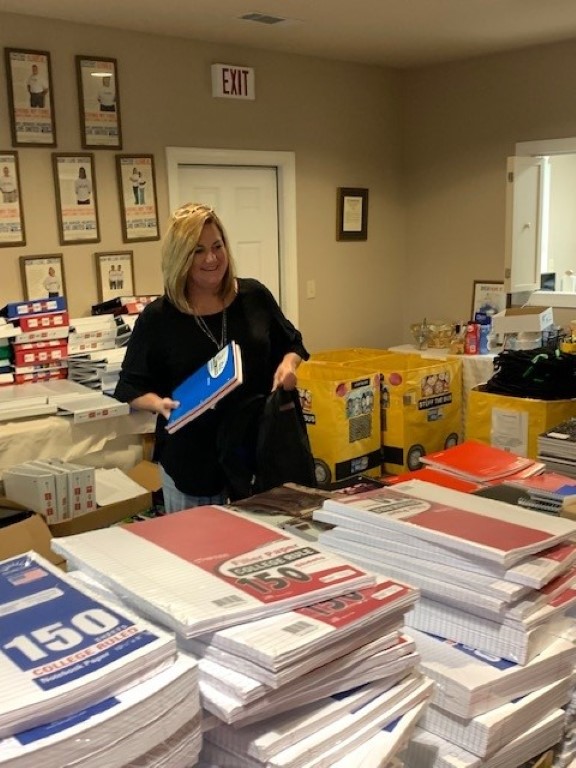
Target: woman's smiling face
<point x="210" y="260"/>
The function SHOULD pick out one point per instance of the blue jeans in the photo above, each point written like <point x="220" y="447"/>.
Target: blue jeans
<point x="175" y="500"/>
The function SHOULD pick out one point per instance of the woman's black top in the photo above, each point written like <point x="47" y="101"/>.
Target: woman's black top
<point x="166" y="346"/>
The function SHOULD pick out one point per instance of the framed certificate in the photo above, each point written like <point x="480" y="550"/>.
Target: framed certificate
<point x="352" y="214"/>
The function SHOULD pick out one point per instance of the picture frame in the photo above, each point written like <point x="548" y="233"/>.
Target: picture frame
<point x="488" y="296"/>
<point x="76" y="198"/>
<point x="12" y="230"/>
<point x="43" y="276"/>
<point x="115" y="274"/>
<point x="138" y="202"/>
<point x="99" y="102"/>
<point x="352" y="213"/>
<point x="30" y="97"/>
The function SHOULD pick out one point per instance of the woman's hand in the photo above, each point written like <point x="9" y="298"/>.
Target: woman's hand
<point x="285" y="375"/>
<point x="166" y="406"/>
<point x="162" y="406"/>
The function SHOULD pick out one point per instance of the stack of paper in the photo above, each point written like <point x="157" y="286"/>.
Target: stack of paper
<point x="138" y="726"/>
<point x="473" y="558"/>
<point x="276" y="663"/>
<point x="470" y="682"/>
<point x="62" y="648"/>
<point x="464" y="560"/>
<point x="322" y="734"/>
<point x="470" y="525"/>
<point x="238" y="697"/>
<point x="426" y="750"/>
<point x="279" y="641"/>
<point x="558" y="444"/>
<point x="310" y="663"/>
<point x="206" y="386"/>
<point x="478" y="462"/>
<point x="207" y="568"/>
<point x="488" y="733"/>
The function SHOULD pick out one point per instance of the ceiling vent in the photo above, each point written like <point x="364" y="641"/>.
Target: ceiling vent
<point x="262" y="18"/>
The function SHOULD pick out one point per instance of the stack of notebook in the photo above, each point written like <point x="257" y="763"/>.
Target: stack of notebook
<point x="470" y="556"/>
<point x="545" y="492"/>
<point x="289" y="638"/>
<point x="96" y="685"/>
<point x="207" y="568"/>
<point x="557" y="448"/>
<point x="497" y="581"/>
<point x="477" y="462"/>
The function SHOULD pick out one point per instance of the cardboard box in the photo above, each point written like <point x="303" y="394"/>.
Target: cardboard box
<point x="26" y="535"/>
<point x="145" y="474"/>
<point x="519" y="319"/>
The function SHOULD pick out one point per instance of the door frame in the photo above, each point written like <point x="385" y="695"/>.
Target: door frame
<point x="285" y="165"/>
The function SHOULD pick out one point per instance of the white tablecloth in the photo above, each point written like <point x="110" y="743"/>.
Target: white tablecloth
<point x="106" y="442"/>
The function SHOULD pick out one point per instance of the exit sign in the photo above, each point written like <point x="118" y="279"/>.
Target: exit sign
<point x="231" y="82"/>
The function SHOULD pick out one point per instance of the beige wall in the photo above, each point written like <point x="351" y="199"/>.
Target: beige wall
<point x="340" y="120"/>
<point x="461" y="121"/>
<point x="430" y="144"/>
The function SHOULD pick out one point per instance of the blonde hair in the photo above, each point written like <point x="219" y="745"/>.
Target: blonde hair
<point x="180" y="241"/>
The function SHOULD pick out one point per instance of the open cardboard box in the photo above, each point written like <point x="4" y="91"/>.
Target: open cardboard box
<point x="146" y="474"/>
<point x="32" y="533"/>
<point x="520" y="319"/>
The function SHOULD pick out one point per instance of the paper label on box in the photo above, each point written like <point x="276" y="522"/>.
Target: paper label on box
<point x="509" y="430"/>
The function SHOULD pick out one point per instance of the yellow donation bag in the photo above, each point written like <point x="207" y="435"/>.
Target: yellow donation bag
<point x="341" y="409"/>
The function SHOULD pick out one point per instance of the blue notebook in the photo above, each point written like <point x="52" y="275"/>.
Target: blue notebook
<point x="206" y="386"/>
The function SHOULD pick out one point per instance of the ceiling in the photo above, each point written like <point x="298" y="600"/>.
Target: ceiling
<point x="396" y="33"/>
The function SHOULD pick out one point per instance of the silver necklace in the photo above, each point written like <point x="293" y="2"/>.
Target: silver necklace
<point x="201" y="323"/>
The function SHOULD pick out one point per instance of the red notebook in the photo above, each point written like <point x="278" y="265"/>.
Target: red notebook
<point x="477" y="461"/>
<point x="430" y="475"/>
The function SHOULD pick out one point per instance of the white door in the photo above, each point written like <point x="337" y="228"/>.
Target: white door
<point x="257" y="251"/>
<point x="523" y="224"/>
<point x="246" y="200"/>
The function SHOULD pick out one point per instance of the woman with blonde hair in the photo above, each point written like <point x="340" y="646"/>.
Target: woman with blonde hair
<point x="204" y="306"/>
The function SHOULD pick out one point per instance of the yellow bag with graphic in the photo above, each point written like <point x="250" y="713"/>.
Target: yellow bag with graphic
<point x="340" y="407"/>
<point x="420" y="402"/>
<point x="513" y="423"/>
<point x="421" y="408"/>
<point x="349" y="355"/>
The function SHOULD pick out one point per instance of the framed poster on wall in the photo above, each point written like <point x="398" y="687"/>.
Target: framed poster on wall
<point x="11" y="215"/>
<point x="137" y="188"/>
<point x="43" y="276"/>
<point x="31" y="106"/>
<point x="99" y="102"/>
<point x="115" y="274"/>
<point x="77" y="205"/>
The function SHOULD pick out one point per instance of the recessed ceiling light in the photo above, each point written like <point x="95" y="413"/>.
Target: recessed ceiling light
<point x="262" y="18"/>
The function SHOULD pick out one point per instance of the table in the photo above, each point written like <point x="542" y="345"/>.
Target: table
<point x="113" y="442"/>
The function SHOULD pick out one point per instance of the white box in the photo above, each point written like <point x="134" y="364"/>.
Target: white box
<point x="519" y="319"/>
